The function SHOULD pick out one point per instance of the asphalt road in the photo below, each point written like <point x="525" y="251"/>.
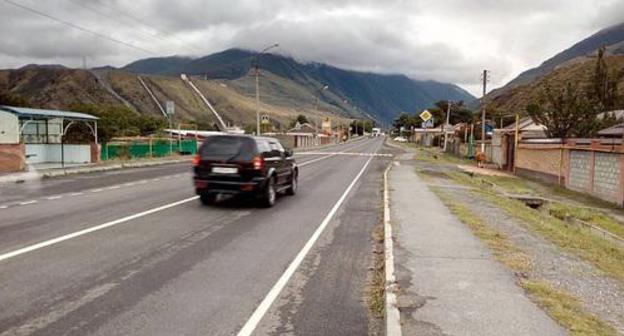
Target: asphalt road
<point x="133" y="252"/>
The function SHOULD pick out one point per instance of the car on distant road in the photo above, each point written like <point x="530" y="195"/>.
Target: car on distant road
<point x="244" y="165"/>
<point x="400" y="139"/>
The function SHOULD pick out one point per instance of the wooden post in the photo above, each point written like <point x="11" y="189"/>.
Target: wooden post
<point x="516" y="142"/>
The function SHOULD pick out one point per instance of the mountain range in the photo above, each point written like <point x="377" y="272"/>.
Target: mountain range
<point x="382" y="97"/>
<point x="574" y="64"/>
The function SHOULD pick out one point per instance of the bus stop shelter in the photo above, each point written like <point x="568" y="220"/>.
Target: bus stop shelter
<point x="39" y="136"/>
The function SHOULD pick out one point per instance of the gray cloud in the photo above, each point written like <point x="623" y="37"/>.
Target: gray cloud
<point x="446" y="40"/>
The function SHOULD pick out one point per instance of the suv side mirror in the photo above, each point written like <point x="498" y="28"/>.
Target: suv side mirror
<point x="289" y="152"/>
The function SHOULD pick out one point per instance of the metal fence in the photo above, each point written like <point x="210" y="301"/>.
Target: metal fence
<point x="147" y="149"/>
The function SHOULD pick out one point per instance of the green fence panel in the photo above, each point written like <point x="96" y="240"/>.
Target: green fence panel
<point x="158" y="148"/>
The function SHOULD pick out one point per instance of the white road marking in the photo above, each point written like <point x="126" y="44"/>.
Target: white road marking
<point x="315" y="160"/>
<point x="264" y="306"/>
<point x="76" y="234"/>
<point x="393" y="317"/>
<point x="129" y="184"/>
<point x="96" y="190"/>
<point x="3" y="206"/>
<point x="113" y="187"/>
<point x="349" y="154"/>
<point x="54" y="197"/>
<point x="76" y="194"/>
<point x="28" y="202"/>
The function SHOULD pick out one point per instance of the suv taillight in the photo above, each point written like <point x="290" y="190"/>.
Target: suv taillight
<point x="196" y="160"/>
<point x="258" y="162"/>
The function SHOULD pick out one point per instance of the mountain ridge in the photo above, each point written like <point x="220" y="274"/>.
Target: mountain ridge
<point x="384" y="96"/>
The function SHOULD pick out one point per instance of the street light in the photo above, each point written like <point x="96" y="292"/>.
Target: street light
<point x="318" y="101"/>
<point x="257" y="66"/>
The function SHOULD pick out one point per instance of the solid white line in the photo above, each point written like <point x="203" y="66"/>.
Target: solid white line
<point x="54" y="197"/>
<point x="28" y="202"/>
<point x="264" y="306"/>
<point x="393" y="317"/>
<point x="76" y="234"/>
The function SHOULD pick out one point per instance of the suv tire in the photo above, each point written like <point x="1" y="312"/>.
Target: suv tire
<point x="269" y="194"/>
<point x="207" y="199"/>
<point x="292" y="189"/>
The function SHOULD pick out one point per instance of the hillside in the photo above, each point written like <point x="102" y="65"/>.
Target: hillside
<point x="514" y="100"/>
<point x="611" y="37"/>
<point x="60" y="88"/>
<point x="381" y="96"/>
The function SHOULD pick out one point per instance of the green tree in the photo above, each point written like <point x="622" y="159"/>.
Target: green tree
<point x="565" y="112"/>
<point x="459" y="112"/>
<point x="571" y="112"/>
<point x="301" y="119"/>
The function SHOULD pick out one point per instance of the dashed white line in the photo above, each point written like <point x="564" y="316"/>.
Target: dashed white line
<point x="96" y="190"/>
<point x="28" y="202"/>
<point x="113" y="187"/>
<point x="3" y="206"/>
<point x="76" y="194"/>
<point x="54" y="197"/>
<point x="76" y="234"/>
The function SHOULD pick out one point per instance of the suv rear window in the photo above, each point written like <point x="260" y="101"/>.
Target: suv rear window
<point x="228" y="148"/>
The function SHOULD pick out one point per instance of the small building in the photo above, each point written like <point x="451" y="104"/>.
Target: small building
<point x="37" y="137"/>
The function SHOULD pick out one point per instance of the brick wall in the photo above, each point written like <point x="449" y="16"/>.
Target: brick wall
<point x="12" y="158"/>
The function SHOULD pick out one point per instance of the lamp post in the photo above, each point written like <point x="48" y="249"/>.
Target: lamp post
<point x="448" y="116"/>
<point x="257" y="67"/>
<point x="318" y="101"/>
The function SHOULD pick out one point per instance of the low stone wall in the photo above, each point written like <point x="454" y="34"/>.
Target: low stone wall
<point x="12" y="158"/>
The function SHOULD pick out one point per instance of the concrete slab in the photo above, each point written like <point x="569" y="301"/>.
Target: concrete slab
<point x="450" y="282"/>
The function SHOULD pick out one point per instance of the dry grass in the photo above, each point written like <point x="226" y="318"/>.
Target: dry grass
<point x="566" y="310"/>
<point x="563" y="307"/>
<point x="591" y="216"/>
<point x="376" y="291"/>
<point x="504" y="251"/>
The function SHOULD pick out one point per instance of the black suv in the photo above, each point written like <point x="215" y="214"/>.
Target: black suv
<point x="241" y="164"/>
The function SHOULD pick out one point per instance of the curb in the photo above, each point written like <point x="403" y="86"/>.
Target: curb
<point x="29" y="176"/>
<point x="393" y="316"/>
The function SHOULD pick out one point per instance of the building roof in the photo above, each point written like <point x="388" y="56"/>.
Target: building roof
<point x="617" y="130"/>
<point x="303" y="128"/>
<point x="24" y="112"/>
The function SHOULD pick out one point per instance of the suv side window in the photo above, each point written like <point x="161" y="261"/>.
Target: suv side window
<point x="276" y="148"/>
<point x="263" y="147"/>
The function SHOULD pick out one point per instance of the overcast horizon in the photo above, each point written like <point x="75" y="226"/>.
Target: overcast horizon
<point x="447" y="40"/>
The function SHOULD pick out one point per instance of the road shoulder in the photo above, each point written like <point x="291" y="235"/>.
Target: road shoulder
<point x="450" y="282"/>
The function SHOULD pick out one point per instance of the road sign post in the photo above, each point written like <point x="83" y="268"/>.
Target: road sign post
<point x="170" y="109"/>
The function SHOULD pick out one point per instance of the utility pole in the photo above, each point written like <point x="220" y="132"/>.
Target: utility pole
<point x="257" y="66"/>
<point x="257" y="100"/>
<point x="485" y="79"/>
<point x="448" y="117"/>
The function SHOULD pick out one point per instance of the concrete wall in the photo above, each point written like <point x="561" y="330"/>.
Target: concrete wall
<point x="39" y="153"/>
<point x="9" y="128"/>
<point x="544" y="162"/>
<point x="579" y="177"/>
<point x="12" y="157"/>
<point x="607" y="176"/>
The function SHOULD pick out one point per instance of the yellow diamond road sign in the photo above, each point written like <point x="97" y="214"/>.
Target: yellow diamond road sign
<point x="425" y="115"/>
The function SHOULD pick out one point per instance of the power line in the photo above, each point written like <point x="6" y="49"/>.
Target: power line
<point x="147" y="24"/>
<point x="75" y="26"/>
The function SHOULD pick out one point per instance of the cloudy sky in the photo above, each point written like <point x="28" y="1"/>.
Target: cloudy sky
<point x="444" y="40"/>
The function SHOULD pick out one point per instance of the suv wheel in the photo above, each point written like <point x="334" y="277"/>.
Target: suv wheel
<point x="269" y="194"/>
<point x="292" y="189"/>
<point x="207" y="199"/>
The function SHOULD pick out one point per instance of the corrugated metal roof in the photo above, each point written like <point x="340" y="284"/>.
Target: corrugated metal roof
<point x="25" y="112"/>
